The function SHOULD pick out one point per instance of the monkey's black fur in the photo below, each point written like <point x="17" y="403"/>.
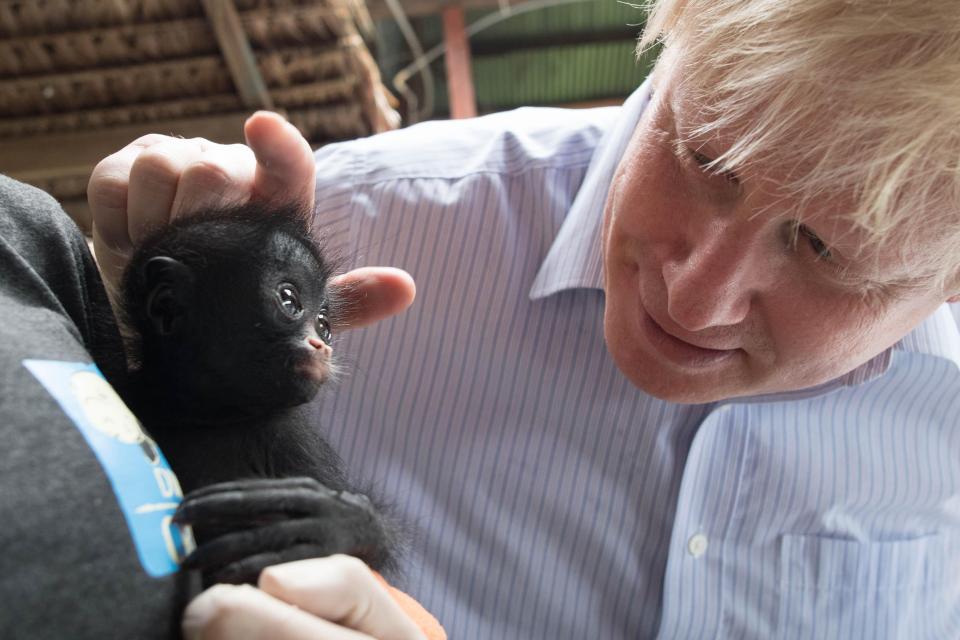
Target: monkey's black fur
<point x="231" y="312"/>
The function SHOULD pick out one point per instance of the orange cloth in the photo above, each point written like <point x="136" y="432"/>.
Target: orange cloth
<point x="424" y="619"/>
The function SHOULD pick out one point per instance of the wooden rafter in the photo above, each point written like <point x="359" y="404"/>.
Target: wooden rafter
<point x="237" y="53"/>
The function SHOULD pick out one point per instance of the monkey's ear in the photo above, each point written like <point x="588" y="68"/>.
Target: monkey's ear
<point x="168" y="282"/>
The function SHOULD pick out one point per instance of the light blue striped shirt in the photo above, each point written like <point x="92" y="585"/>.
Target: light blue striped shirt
<point x="552" y="499"/>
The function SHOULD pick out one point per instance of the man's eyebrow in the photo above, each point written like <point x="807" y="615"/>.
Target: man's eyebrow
<point x="685" y="138"/>
<point x="679" y="117"/>
<point x="681" y="141"/>
<point x="676" y="116"/>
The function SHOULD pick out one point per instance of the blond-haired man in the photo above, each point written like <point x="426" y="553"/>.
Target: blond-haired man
<point x="684" y="369"/>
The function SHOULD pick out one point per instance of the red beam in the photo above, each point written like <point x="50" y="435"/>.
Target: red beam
<point x="463" y="100"/>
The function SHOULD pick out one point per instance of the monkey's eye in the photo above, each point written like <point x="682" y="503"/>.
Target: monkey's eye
<point x="289" y="300"/>
<point x="323" y="325"/>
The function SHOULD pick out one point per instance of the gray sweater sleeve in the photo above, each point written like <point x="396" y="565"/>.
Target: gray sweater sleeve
<point x="69" y="567"/>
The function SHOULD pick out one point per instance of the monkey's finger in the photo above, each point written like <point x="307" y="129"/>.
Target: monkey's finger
<point x="206" y="514"/>
<point x="353" y="534"/>
<point x="285" y="167"/>
<point x="220" y="176"/>
<point x="272" y="485"/>
<point x="256" y="483"/>
<point x="240" y="556"/>
<point x="248" y="570"/>
<point x="230" y="549"/>
<point x="244" y="613"/>
<point x="372" y="294"/>
<point x="243" y="506"/>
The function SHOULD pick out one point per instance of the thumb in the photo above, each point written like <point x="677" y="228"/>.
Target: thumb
<point x="371" y="294"/>
<point x="285" y="167"/>
<point x="341" y="589"/>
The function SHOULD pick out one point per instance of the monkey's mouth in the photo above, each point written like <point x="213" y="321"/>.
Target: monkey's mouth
<point x="315" y="361"/>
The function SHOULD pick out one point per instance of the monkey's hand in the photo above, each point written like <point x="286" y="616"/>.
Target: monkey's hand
<point x="247" y="525"/>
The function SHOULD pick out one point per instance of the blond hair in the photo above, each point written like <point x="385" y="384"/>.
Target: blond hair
<point x="857" y="97"/>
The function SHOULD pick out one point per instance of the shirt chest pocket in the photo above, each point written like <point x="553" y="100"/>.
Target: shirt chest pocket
<point x="835" y="588"/>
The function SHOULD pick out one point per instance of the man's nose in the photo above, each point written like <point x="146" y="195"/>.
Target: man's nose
<point x="713" y="278"/>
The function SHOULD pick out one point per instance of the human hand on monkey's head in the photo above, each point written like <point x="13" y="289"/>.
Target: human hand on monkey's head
<point x="157" y="178"/>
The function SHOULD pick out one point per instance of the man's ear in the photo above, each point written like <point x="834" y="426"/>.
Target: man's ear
<point x="169" y="282"/>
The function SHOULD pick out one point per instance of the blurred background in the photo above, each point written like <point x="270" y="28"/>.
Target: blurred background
<point x="79" y="79"/>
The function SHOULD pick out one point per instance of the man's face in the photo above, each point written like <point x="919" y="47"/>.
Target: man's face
<point x="713" y="292"/>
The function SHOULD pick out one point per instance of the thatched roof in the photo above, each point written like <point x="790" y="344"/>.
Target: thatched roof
<point x="81" y="78"/>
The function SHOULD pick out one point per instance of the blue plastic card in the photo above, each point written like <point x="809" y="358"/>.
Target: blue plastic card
<point x="145" y="485"/>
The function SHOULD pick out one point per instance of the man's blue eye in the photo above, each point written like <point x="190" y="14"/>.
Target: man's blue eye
<point x="818" y="246"/>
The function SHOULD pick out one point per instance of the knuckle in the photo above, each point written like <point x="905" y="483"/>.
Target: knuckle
<point x="155" y="164"/>
<point x="149" y="139"/>
<point x="106" y="189"/>
<point x="357" y="500"/>
<point x="287" y="579"/>
<point x="269" y="575"/>
<point x="206" y="172"/>
<point x="313" y="483"/>
<point x="272" y="579"/>
<point x="351" y="570"/>
<point x="225" y="600"/>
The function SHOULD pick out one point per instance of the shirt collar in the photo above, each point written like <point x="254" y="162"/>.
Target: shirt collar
<point x="938" y="335"/>
<point x="574" y="260"/>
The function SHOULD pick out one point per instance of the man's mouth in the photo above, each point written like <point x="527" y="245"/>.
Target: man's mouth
<point x="679" y="350"/>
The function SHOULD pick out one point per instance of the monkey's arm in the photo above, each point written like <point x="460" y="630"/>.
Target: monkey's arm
<point x="244" y="526"/>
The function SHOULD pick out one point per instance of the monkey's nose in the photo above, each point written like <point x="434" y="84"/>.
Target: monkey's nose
<point x="317" y="343"/>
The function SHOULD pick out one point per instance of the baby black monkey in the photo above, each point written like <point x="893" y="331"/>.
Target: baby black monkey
<point x="232" y="315"/>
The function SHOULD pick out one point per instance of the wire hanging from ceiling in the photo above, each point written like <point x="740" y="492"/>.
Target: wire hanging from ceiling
<point x="406" y="29"/>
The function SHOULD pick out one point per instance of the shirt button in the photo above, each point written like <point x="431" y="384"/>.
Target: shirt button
<point x="697" y="545"/>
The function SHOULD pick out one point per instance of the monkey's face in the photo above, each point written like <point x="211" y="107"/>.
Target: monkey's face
<point x="233" y="310"/>
<point x="280" y="327"/>
<point x="254" y="333"/>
